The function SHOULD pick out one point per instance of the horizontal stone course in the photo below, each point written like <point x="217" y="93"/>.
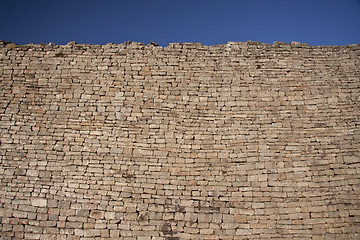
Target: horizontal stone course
<point x="134" y="141"/>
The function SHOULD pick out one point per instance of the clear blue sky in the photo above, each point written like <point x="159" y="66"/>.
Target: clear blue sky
<point x="317" y="22"/>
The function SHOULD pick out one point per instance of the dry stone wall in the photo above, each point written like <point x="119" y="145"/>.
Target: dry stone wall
<point x="134" y="141"/>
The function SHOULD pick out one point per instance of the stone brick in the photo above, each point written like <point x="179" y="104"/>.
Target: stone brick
<point x="92" y="232"/>
<point x="19" y="214"/>
<point x="351" y="159"/>
<point x="204" y="217"/>
<point x="39" y="202"/>
<point x="97" y="214"/>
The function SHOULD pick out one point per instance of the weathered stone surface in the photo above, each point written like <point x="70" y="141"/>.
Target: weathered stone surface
<point x="128" y="141"/>
<point x="39" y="202"/>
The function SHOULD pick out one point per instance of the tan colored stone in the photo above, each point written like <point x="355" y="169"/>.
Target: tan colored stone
<point x="39" y="202"/>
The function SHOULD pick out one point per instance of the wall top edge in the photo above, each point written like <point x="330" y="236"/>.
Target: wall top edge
<point x="139" y="45"/>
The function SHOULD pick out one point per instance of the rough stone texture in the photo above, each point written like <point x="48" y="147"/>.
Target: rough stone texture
<point x="236" y="141"/>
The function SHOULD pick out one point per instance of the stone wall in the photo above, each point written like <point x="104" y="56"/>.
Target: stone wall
<point x="128" y="141"/>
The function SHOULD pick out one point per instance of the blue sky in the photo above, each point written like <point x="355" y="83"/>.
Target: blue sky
<point x="317" y="22"/>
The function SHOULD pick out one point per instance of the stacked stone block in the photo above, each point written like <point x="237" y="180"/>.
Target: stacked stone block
<point x="134" y="141"/>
